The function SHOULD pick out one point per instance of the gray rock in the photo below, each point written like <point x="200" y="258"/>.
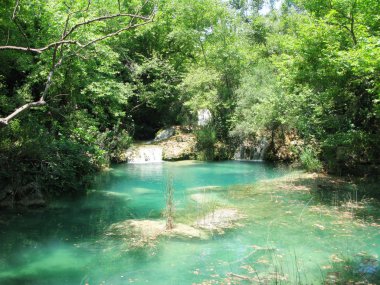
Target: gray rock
<point x="164" y="134"/>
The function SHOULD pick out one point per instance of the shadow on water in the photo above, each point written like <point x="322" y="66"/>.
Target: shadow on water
<point x="55" y="239"/>
<point x="358" y="269"/>
<point x="361" y="197"/>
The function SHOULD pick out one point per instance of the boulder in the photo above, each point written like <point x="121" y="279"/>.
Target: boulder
<point x="164" y="134"/>
<point x="178" y="147"/>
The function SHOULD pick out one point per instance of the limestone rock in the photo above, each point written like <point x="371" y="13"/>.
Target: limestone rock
<point x="146" y="232"/>
<point x="220" y="219"/>
<point x="164" y="134"/>
<point x="179" y="147"/>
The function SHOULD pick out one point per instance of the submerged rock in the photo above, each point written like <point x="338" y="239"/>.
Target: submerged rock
<point x="201" y="198"/>
<point x="204" y="188"/>
<point x="220" y="219"/>
<point x="141" y="233"/>
<point x="146" y="232"/>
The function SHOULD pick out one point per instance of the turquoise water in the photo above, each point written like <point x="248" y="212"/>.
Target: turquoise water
<point x="284" y="233"/>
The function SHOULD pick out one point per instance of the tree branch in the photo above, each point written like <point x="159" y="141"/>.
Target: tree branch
<point x="15" y="9"/>
<point x="40" y="50"/>
<point x="6" y="120"/>
<point x="40" y="102"/>
<point x="64" y="41"/>
<point x="129" y="27"/>
<point x="68" y="20"/>
<point x="102" y="18"/>
<point x="14" y="19"/>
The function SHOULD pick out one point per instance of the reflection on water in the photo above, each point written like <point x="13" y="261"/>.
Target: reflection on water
<point x="67" y="243"/>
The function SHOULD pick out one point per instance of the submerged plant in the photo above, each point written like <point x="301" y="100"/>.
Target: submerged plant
<point x="361" y="269"/>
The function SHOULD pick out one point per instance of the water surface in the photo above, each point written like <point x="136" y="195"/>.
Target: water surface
<point x="67" y="242"/>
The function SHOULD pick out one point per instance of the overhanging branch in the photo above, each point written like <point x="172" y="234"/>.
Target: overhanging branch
<point x="5" y="121"/>
<point x="66" y="33"/>
<point x="64" y="41"/>
<point x="40" y="50"/>
<point x="103" y="18"/>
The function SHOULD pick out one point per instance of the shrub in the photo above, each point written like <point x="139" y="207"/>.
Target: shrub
<point x="309" y="160"/>
<point x="206" y="139"/>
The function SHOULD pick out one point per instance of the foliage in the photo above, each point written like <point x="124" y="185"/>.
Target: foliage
<point x="200" y="89"/>
<point x="60" y="165"/>
<point x="206" y="139"/>
<point x="311" y="69"/>
<point x="320" y="78"/>
<point x="156" y="94"/>
<point x="309" y="160"/>
<point x="260" y="102"/>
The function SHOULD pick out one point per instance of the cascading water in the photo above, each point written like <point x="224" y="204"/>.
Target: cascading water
<point x="252" y="151"/>
<point x="204" y="117"/>
<point x="144" y="154"/>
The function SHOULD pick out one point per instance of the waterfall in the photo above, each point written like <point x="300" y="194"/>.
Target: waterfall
<point x="252" y="151"/>
<point x="144" y="154"/>
<point x="204" y="117"/>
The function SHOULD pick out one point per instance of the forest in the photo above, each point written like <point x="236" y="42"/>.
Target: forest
<point x="83" y="81"/>
<point x="93" y="76"/>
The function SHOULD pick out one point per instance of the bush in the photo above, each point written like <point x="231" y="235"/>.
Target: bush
<point x="114" y="143"/>
<point x="69" y="167"/>
<point x="309" y="160"/>
<point x="206" y="139"/>
<point x="346" y="151"/>
<point x="34" y="159"/>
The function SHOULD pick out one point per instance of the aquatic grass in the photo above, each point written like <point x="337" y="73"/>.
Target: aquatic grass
<point x="169" y="210"/>
<point x="343" y="269"/>
<point x="269" y="269"/>
<point x="345" y="196"/>
<point x="333" y="210"/>
<point x="195" y="211"/>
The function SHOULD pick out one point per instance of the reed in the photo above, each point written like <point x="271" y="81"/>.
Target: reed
<point x="169" y="210"/>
